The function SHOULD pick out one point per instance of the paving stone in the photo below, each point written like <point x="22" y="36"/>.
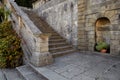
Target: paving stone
<point x="65" y="68"/>
<point x="112" y="74"/>
<point x="2" y="75"/>
<point x="72" y="72"/>
<point x="12" y="74"/>
<point x="49" y="74"/>
<point x="83" y="77"/>
<point x="117" y="66"/>
<point x="85" y="67"/>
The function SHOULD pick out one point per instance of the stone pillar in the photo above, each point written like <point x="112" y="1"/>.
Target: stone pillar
<point x="82" y="46"/>
<point x="41" y="56"/>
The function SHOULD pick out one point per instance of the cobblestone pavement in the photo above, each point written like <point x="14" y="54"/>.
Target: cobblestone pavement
<point x="86" y="66"/>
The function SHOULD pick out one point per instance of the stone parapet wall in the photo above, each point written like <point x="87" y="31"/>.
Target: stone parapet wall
<point x="34" y="42"/>
<point x="62" y="16"/>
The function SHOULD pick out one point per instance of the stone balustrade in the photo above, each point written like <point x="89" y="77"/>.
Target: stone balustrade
<point x="34" y="43"/>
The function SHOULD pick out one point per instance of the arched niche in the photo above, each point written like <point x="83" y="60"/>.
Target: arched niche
<point x="102" y="30"/>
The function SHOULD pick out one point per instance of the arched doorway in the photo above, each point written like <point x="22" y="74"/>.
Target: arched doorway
<point x="102" y="30"/>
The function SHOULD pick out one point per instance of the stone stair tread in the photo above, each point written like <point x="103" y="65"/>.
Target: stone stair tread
<point x="57" y="43"/>
<point x="2" y="76"/>
<point x="66" y="51"/>
<point x="12" y="74"/>
<point x="60" y="47"/>
<point x="49" y="74"/>
<point x="56" y="39"/>
<point x="56" y="36"/>
<point x="29" y="74"/>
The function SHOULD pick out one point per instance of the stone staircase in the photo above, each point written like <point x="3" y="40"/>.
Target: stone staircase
<point x="57" y="44"/>
<point x="30" y="72"/>
<point x="25" y="72"/>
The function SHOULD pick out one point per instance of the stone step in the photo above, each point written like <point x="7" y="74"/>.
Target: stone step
<point x="63" y="48"/>
<point x="56" y="40"/>
<point x="54" y="45"/>
<point x="49" y="74"/>
<point x="54" y="33"/>
<point x="29" y="73"/>
<point x="12" y="74"/>
<point x="61" y="53"/>
<point x="56" y="37"/>
<point x="2" y="75"/>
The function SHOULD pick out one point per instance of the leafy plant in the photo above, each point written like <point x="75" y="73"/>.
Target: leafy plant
<point x="10" y="50"/>
<point x="102" y="45"/>
<point x="4" y="14"/>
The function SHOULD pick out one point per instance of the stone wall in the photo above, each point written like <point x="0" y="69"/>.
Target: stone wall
<point x="62" y="15"/>
<point x="39" y="3"/>
<point x="96" y="9"/>
<point x="82" y="37"/>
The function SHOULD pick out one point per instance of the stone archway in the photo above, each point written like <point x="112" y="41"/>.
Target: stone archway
<point x="102" y="30"/>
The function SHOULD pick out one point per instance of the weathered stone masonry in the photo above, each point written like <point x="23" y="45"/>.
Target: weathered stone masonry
<point x="34" y="42"/>
<point x="82" y="22"/>
<point x="93" y="11"/>
<point x="62" y="15"/>
<point x="82" y="45"/>
<point x="79" y="21"/>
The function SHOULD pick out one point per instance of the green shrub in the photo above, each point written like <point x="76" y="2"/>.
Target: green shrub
<point x="10" y="50"/>
<point x="101" y="45"/>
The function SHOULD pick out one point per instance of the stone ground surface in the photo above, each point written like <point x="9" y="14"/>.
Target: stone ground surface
<point x="78" y="66"/>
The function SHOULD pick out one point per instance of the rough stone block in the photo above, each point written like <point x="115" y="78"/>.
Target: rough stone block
<point x="81" y="36"/>
<point x="81" y="41"/>
<point x="82" y="48"/>
<point x="91" y="48"/>
<point x="82" y="44"/>
<point x="81" y="32"/>
<point x="44" y="49"/>
<point x="91" y="36"/>
<point x="89" y="28"/>
<point x="41" y="59"/>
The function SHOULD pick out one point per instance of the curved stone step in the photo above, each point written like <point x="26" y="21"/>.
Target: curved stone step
<point x="49" y="74"/>
<point x="12" y="74"/>
<point x="28" y="73"/>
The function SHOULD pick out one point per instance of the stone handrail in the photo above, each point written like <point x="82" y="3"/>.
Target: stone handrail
<point x="34" y="42"/>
